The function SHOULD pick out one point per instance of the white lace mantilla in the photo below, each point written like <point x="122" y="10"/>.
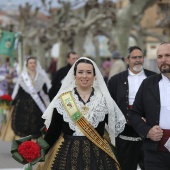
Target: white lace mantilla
<point x="38" y="83"/>
<point x="95" y="114"/>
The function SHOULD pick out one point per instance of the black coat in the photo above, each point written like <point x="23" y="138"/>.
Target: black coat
<point x="119" y="91"/>
<point x="147" y="105"/>
<point x="56" y="82"/>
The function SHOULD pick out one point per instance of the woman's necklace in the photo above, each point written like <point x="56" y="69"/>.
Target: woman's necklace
<point x="32" y="80"/>
<point x="32" y="76"/>
<point x="85" y="97"/>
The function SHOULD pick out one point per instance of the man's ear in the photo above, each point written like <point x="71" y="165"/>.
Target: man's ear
<point x="127" y="60"/>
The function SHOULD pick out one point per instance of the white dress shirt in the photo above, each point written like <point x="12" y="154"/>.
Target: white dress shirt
<point x="164" y="88"/>
<point x="134" y="81"/>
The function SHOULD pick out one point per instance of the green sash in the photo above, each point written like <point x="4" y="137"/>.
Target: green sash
<point x="86" y="128"/>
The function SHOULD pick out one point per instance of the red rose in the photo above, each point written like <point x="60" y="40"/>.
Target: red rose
<point x="29" y="150"/>
<point x="6" y="97"/>
<point x="45" y="129"/>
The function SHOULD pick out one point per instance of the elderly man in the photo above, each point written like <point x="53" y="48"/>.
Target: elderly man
<point x="123" y="88"/>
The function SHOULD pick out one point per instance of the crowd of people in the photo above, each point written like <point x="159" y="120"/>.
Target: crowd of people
<point x="112" y="121"/>
<point x="8" y="77"/>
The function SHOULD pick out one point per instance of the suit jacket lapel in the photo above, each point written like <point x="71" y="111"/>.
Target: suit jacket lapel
<point x="155" y="88"/>
<point x="124" y="78"/>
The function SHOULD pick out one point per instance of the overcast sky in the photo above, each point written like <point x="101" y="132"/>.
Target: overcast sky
<point x="8" y="4"/>
<point x="14" y="3"/>
<point x="11" y="3"/>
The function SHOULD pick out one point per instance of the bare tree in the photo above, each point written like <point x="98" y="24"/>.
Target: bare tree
<point x="70" y="27"/>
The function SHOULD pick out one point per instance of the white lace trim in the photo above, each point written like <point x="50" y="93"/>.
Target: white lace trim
<point x="95" y="114"/>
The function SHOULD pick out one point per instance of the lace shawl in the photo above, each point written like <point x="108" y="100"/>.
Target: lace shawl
<point x="40" y="79"/>
<point x="97" y="110"/>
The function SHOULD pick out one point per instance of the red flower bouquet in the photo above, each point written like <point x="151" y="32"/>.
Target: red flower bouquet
<point x="5" y="100"/>
<point x="28" y="152"/>
<point x="5" y="103"/>
<point x="6" y="97"/>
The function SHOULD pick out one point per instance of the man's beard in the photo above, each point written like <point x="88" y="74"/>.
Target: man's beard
<point x="164" y="70"/>
<point x="138" y="68"/>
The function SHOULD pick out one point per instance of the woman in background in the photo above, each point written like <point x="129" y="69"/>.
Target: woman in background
<point x="30" y="99"/>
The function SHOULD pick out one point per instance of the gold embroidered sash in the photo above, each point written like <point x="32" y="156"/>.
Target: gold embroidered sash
<point x="86" y="128"/>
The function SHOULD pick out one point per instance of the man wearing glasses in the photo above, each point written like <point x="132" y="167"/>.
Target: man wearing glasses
<point x="123" y="88"/>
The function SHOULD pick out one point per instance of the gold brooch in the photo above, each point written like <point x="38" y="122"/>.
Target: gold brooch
<point x="85" y="109"/>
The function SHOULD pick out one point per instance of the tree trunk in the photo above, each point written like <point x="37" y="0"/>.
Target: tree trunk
<point x="40" y="54"/>
<point x="126" y="18"/>
<point x="79" y="42"/>
<point x="63" y="53"/>
<point x="96" y="44"/>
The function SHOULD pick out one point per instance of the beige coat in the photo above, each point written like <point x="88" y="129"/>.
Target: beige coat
<point x="117" y="67"/>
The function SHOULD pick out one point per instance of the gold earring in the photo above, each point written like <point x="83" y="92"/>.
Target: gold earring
<point x="75" y="82"/>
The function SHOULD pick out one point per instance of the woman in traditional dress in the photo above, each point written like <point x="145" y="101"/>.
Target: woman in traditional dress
<point x="30" y="99"/>
<point x="76" y="122"/>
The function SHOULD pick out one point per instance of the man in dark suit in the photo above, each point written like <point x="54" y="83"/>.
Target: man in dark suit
<point x="150" y="114"/>
<point x="123" y="88"/>
<point x="61" y="73"/>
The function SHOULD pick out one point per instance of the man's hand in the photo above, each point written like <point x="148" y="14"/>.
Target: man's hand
<point x="155" y="133"/>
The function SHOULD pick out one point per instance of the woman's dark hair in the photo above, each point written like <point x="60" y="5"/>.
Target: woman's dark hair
<point x="83" y="61"/>
<point x="31" y="57"/>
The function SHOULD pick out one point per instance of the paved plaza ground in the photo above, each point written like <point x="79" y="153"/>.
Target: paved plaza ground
<point x="6" y="161"/>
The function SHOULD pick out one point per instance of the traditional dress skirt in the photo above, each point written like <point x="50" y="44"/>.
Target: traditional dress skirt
<point x="26" y="117"/>
<point x="76" y="153"/>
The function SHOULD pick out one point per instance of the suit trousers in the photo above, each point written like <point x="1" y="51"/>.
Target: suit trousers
<point x="156" y="160"/>
<point x="130" y="153"/>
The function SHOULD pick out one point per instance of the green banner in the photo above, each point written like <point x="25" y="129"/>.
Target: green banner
<point x="7" y="40"/>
